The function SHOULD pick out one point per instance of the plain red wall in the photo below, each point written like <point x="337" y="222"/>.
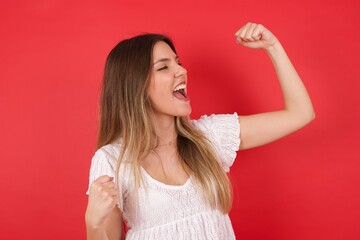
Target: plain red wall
<point x="306" y="186"/>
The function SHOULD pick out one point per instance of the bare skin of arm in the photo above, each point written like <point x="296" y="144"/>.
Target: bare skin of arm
<point x="263" y="128"/>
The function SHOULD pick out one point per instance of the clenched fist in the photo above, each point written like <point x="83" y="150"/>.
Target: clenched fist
<point x="254" y="35"/>
<point x="103" y="197"/>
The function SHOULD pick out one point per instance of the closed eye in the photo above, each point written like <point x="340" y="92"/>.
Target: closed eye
<point x="163" y="68"/>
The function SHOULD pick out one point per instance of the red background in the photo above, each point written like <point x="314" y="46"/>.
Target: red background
<point x="305" y="186"/>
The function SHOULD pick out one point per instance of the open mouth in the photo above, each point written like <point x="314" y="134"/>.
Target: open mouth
<point x="180" y="92"/>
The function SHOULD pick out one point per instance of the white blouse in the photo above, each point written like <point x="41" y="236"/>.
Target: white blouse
<point x="166" y="211"/>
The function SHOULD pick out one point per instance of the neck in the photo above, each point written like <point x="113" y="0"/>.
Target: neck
<point x="164" y="126"/>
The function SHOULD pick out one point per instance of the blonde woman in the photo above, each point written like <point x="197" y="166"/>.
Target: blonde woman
<point x="161" y="173"/>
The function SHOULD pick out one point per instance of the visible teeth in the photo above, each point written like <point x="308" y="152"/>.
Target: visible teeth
<point x="181" y="86"/>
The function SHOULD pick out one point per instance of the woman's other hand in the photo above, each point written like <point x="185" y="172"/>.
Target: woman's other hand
<point x="103" y="198"/>
<point x="255" y="35"/>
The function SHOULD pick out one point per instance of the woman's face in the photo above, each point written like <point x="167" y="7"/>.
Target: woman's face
<point x="168" y="81"/>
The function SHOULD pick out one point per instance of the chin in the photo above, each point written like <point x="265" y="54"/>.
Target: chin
<point x="184" y="113"/>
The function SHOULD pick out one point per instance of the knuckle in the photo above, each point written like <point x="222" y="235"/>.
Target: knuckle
<point x="95" y="186"/>
<point x="99" y="179"/>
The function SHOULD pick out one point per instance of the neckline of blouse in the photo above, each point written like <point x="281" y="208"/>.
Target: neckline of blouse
<point x="164" y="185"/>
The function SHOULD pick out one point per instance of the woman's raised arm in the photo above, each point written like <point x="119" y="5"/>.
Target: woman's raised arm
<point x="263" y="128"/>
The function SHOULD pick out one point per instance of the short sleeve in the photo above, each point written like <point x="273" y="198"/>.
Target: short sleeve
<point x="223" y="132"/>
<point x="101" y="164"/>
<point x="104" y="162"/>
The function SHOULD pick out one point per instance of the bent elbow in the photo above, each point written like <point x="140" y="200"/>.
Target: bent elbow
<point x="303" y="118"/>
<point x="309" y="117"/>
<point x="312" y="115"/>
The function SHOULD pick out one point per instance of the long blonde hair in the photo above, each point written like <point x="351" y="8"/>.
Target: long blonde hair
<point x="125" y="113"/>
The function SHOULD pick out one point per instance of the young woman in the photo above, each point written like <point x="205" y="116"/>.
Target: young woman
<point x="157" y="170"/>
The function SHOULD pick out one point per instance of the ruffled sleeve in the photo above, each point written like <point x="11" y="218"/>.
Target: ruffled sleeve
<point x="101" y="164"/>
<point x="223" y="132"/>
<point x="104" y="163"/>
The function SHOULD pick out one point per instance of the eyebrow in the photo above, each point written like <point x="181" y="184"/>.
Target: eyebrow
<point x="165" y="60"/>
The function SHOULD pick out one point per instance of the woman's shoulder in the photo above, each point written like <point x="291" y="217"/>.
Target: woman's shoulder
<point x="216" y="121"/>
<point x="112" y="149"/>
<point x="223" y="132"/>
<point x="107" y="158"/>
<point x="108" y="154"/>
<point x="104" y="162"/>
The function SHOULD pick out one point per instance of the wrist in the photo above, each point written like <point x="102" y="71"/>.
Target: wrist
<point x="274" y="49"/>
<point x="92" y="223"/>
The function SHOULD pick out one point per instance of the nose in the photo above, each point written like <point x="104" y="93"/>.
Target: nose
<point x="180" y="71"/>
